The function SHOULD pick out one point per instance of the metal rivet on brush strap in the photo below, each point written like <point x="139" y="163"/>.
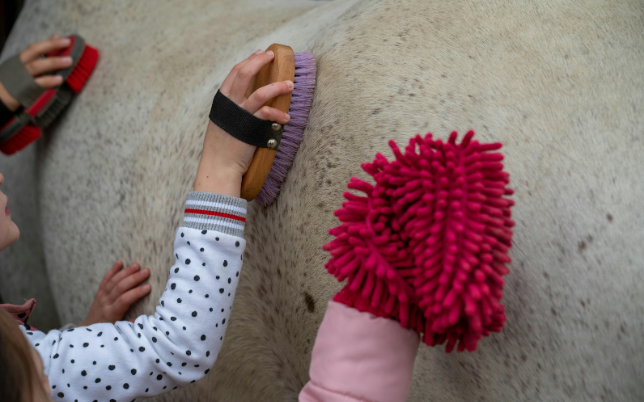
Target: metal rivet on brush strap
<point x="244" y="126"/>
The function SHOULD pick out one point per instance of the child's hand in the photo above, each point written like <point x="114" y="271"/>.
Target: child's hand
<point x="235" y="87"/>
<point x="225" y="159"/>
<point x="117" y="292"/>
<point x="37" y="66"/>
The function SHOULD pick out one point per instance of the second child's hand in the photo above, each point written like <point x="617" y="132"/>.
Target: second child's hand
<point x="38" y="66"/>
<point x="225" y="159"/>
<point x="120" y="288"/>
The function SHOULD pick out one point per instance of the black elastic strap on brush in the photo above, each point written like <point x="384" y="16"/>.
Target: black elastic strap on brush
<point x="244" y="126"/>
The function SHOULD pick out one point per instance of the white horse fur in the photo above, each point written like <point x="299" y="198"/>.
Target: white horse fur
<point x="559" y="82"/>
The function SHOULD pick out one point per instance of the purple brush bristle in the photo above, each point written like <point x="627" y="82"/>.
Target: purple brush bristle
<point x="304" y="84"/>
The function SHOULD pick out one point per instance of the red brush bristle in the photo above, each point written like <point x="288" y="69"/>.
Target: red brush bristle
<point x="429" y="243"/>
<point x="86" y="64"/>
<point x="21" y="139"/>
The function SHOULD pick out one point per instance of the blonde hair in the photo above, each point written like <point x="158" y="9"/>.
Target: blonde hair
<point x="18" y="376"/>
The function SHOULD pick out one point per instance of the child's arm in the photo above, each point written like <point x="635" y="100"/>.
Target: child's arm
<point x="179" y="344"/>
<point x="175" y="346"/>
<point x="360" y="357"/>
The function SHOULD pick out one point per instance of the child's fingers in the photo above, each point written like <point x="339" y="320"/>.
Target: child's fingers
<point x="128" y="283"/>
<point x="120" y="275"/>
<point x="126" y="299"/>
<point x="48" y="64"/>
<point x="49" y="81"/>
<point x="35" y="50"/>
<point x="245" y="75"/>
<point x="228" y="82"/>
<point x="113" y="271"/>
<point x="272" y="114"/>
<point x="266" y="93"/>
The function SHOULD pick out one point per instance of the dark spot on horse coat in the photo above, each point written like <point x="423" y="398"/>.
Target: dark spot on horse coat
<point x="310" y="302"/>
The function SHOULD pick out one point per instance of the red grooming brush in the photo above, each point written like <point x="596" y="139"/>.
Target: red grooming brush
<point x="26" y="126"/>
<point x="429" y="243"/>
<point x="25" y="136"/>
<point x="86" y="58"/>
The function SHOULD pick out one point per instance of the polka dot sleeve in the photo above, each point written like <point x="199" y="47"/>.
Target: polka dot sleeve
<point x="179" y="343"/>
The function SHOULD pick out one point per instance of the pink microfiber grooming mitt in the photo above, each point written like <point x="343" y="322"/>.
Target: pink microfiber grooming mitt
<point x="429" y="243"/>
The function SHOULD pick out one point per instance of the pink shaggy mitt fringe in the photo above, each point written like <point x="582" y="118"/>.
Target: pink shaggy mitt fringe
<point x="428" y="244"/>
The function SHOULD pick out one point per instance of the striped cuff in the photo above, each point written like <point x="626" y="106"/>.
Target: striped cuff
<point x="210" y="211"/>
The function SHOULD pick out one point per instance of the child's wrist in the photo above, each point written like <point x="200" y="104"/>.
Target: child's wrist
<point x="223" y="158"/>
<point x="220" y="181"/>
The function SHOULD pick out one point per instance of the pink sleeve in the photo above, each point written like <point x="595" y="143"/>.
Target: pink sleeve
<point x="358" y="357"/>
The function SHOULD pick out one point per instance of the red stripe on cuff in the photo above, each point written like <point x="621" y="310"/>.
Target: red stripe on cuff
<point x="214" y="213"/>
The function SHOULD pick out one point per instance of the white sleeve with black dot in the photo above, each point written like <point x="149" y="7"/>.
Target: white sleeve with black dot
<point x="179" y="343"/>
